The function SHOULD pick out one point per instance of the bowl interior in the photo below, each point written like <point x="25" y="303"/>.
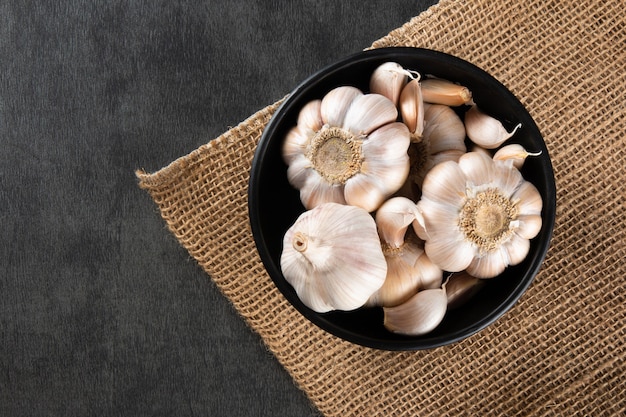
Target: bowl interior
<point x="274" y="204"/>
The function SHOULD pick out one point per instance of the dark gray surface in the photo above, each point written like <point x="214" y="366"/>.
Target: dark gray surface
<point x="101" y="311"/>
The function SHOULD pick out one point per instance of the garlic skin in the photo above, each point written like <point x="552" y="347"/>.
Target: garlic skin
<point x="408" y="266"/>
<point x="484" y="130"/>
<point x="388" y="79"/>
<point x="443" y="139"/>
<point x="419" y="315"/>
<point x="411" y="107"/>
<point x="358" y="155"/>
<point x="440" y="91"/>
<point x="479" y="215"/>
<point x="332" y="257"/>
<point x="514" y="152"/>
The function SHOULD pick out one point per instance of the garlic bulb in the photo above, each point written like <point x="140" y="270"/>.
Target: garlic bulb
<point x="411" y="107"/>
<point x="408" y="267"/>
<point x="419" y="315"/>
<point x="349" y="150"/>
<point x="515" y="153"/>
<point x="388" y="79"/>
<point x="461" y="287"/>
<point x="479" y="215"/>
<point x="443" y="139"/>
<point x="333" y="258"/>
<point x="440" y="91"/>
<point x="484" y="130"/>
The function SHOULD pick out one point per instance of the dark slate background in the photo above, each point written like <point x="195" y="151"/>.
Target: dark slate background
<point x="102" y="312"/>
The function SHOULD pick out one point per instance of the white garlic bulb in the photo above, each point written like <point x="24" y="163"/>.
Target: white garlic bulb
<point x="440" y="91"/>
<point x="357" y="155"/>
<point x="485" y="130"/>
<point x="479" y="215"/>
<point x="388" y="79"/>
<point x="419" y="315"/>
<point x="333" y="258"/>
<point x="408" y="266"/>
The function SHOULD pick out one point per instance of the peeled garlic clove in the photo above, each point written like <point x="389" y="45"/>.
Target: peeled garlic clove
<point x="388" y="80"/>
<point x="411" y="106"/>
<point x="439" y="91"/>
<point x="461" y="287"/>
<point x="333" y="258"/>
<point x="419" y="315"/>
<point x="484" y="130"/>
<point x="515" y="153"/>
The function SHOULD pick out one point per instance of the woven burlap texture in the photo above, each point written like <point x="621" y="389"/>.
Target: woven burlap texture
<point x="560" y="350"/>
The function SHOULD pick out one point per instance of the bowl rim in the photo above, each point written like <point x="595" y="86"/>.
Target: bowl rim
<point x="426" y="341"/>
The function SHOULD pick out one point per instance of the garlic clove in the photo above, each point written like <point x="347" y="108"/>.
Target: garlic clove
<point x="440" y="91"/>
<point x="404" y="278"/>
<point x="419" y="315"/>
<point x="315" y="190"/>
<point x="411" y="107"/>
<point x="431" y="274"/>
<point x="517" y="248"/>
<point x="445" y="183"/>
<point x="443" y="128"/>
<point x="461" y="287"/>
<point x="393" y="219"/>
<point x="333" y="258"/>
<point x="388" y="142"/>
<point x="310" y="117"/>
<point x="515" y="153"/>
<point x="450" y="251"/>
<point x="529" y="225"/>
<point x="477" y="166"/>
<point x="388" y="79"/>
<point x="335" y="104"/>
<point x="299" y="170"/>
<point x="490" y="264"/>
<point x="530" y="201"/>
<point x="385" y="171"/>
<point x="484" y="130"/>
<point x="295" y="144"/>
<point x="507" y="178"/>
<point x="298" y="138"/>
<point x="376" y="182"/>
<point x="369" y="112"/>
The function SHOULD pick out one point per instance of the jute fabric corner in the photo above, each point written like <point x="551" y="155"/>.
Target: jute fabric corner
<point x="560" y="350"/>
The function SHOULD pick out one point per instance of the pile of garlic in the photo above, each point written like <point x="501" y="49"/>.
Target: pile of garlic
<point x="395" y="202"/>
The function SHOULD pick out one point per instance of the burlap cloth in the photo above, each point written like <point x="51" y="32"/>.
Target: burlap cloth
<point x="560" y="350"/>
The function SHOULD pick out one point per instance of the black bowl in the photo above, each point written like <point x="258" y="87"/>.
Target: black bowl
<point x="274" y="205"/>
